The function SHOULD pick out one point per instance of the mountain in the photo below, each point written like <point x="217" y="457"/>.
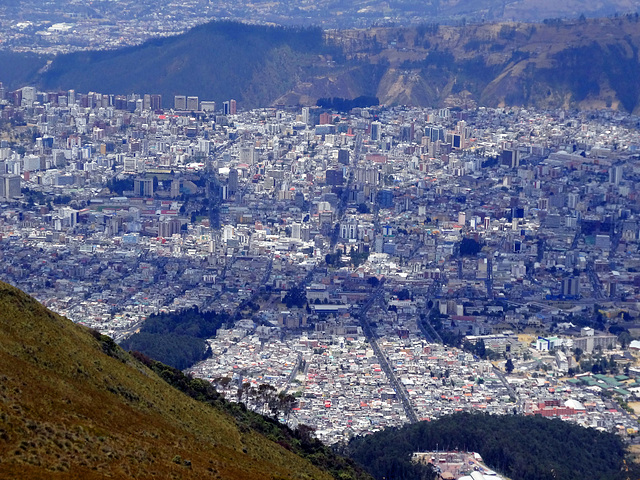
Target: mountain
<point x="582" y="64"/>
<point x="75" y="405"/>
<point x="216" y="61"/>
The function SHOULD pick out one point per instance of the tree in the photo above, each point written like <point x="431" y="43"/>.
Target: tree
<point x="469" y="247"/>
<point x="480" y="349"/>
<point x="373" y="281"/>
<point x="578" y="353"/>
<point x="624" y="339"/>
<point x="509" y="366"/>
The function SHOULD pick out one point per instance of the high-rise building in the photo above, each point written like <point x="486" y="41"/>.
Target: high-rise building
<point x="207" y="106"/>
<point x="334" y="177"/>
<point x="143" y="187"/>
<point x="233" y="181"/>
<point x="9" y="186"/>
<point x="232" y="107"/>
<point x="343" y="157"/>
<point x="28" y="96"/>
<point x="376" y="131"/>
<point x="180" y="102"/>
<point x="247" y="154"/>
<point x="226" y="108"/>
<point x="615" y="174"/>
<point x="156" y="102"/>
<point x="192" y="103"/>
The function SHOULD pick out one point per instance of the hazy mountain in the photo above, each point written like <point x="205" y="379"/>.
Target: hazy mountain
<point x="578" y="64"/>
<point x="74" y="405"/>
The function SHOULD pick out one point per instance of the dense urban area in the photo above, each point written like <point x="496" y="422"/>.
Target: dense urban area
<point x="366" y="269"/>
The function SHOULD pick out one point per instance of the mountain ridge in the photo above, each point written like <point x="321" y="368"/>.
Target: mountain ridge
<point x="582" y="64"/>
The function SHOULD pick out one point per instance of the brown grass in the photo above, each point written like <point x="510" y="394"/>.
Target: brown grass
<point x="68" y="411"/>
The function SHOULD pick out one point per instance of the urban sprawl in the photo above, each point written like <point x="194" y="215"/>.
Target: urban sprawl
<point x="383" y="266"/>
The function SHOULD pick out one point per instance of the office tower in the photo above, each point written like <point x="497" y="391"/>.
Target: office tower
<point x="192" y="103"/>
<point x="233" y="181"/>
<point x="226" y="108"/>
<point x="28" y="96"/>
<point x="232" y="107"/>
<point x="305" y="115"/>
<point x="180" y="102"/>
<point x="9" y="186"/>
<point x="143" y="187"/>
<point x="615" y="174"/>
<point x="247" y="155"/>
<point x="71" y="100"/>
<point x="207" y="106"/>
<point x="343" y="157"/>
<point x="156" y="102"/>
<point x="376" y="131"/>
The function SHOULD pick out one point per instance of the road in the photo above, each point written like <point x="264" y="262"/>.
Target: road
<point x="399" y="388"/>
<point x="595" y="281"/>
<point x="509" y="388"/>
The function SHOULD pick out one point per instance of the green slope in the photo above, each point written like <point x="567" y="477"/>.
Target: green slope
<point x="74" y="405"/>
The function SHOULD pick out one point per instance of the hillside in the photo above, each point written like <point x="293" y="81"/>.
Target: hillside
<point x="573" y="64"/>
<point x="522" y="448"/>
<point x="580" y="64"/>
<point x="216" y="61"/>
<point x="74" y="405"/>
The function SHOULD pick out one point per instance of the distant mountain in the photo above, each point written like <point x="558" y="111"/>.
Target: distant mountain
<point x="568" y="64"/>
<point x="75" y="405"/>
<point x="216" y="61"/>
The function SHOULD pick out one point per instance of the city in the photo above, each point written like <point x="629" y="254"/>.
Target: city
<point x="382" y="266"/>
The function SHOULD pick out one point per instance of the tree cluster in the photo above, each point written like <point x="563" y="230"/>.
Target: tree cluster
<point x="522" y="448"/>
<point x="177" y="338"/>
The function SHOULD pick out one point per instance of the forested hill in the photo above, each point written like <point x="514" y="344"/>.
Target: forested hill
<point x="582" y="63"/>
<point x="215" y="61"/>
<point x="522" y="448"/>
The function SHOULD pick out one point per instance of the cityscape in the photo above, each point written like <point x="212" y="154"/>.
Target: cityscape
<point x="380" y="266"/>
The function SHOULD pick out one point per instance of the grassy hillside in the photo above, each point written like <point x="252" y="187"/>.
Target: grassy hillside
<point x="24" y="68"/>
<point x="74" y="405"/>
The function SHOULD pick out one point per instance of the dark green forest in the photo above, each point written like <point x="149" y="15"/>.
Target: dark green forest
<point x="520" y="447"/>
<point x="177" y="339"/>
<point x="24" y="68"/>
<point x="215" y="61"/>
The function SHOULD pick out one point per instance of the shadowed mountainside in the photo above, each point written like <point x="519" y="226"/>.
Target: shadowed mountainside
<point x="557" y="64"/>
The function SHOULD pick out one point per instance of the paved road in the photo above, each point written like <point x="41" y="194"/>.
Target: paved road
<point x="399" y="388"/>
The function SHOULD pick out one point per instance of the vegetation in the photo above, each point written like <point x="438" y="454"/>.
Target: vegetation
<point x="522" y="448"/>
<point x="76" y="406"/>
<point x="469" y="247"/>
<point x="177" y="338"/>
<point x="345" y="105"/>
<point x="301" y="441"/>
<point x="215" y="61"/>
